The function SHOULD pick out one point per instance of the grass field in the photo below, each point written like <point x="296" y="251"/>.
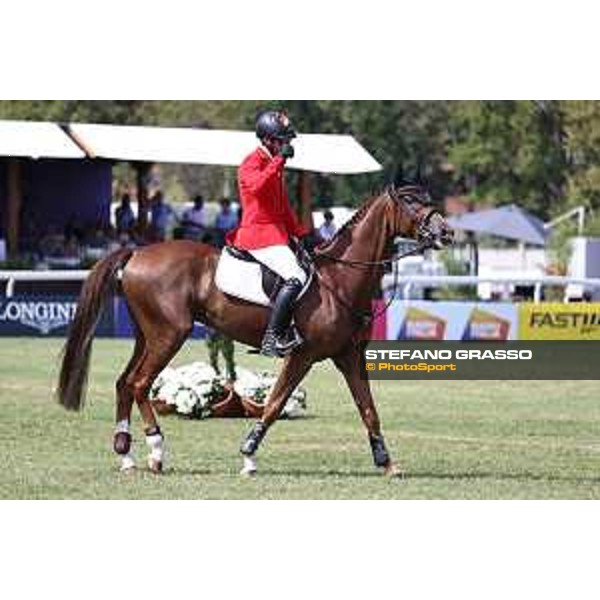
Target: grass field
<point x="459" y="440"/>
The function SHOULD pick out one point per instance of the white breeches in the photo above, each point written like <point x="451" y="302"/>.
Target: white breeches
<point x="281" y="260"/>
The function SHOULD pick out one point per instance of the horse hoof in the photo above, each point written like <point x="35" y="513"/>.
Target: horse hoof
<point x="127" y="464"/>
<point x="155" y="466"/>
<point x="394" y="471"/>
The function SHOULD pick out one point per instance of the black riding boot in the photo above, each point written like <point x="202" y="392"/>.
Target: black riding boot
<point x="280" y="339"/>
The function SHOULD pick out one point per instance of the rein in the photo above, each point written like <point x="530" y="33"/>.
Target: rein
<point x="367" y="318"/>
<point x="376" y="263"/>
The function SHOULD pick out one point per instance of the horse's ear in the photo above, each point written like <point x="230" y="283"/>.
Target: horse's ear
<point x="398" y="178"/>
<point x="404" y="179"/>
<point x="419" y="174"/>
<point x="415" y="179"/>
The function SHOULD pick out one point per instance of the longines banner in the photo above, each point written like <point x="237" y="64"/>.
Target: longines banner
<point x="49" y="315"/>
<point x="44" y="315"/>
<point x="557" y="321"/>
<point x="512" y="360"/>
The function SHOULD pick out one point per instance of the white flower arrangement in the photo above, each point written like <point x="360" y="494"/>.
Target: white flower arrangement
<point x="194" y="388"/>
<point x="258" y="387"/>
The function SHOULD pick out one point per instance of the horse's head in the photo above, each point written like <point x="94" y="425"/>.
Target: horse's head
<point x="416" y="217"/>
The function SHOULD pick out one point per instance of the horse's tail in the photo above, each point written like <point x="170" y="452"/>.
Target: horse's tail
<point x="77" y="349"/>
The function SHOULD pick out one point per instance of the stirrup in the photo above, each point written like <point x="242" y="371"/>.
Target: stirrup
<point x="282" y="345"/>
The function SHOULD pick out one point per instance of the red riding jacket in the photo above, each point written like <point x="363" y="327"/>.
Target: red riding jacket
<point x="267" y="218"/>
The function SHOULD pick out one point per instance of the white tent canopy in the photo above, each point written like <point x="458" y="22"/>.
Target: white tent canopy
<point x="326" y="153"/>
<point x="36" y="139"/>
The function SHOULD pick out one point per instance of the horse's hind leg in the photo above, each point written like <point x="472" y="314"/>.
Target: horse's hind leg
<point x="155" y="358"/>
<point x="349" y="364"/>
<point x="122" y="438"/>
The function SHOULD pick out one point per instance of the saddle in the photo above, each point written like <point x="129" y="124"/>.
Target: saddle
<point x="240" y="275"/>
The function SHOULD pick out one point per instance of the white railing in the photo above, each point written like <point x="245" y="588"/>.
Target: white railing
<point x="11" y="277"/>
<point x="405" y="283"/>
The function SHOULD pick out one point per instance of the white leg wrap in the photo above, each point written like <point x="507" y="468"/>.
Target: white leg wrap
<point x="156" y="445"/>
<point x="122" y="426"/>
<point x="249" y="466"/>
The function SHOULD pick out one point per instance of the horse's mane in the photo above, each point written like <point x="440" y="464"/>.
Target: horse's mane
<point x="356" y="217"/>
<point x="391" y="190"/>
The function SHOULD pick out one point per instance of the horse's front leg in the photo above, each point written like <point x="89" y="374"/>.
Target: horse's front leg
<point x="349" y="364"/>
<point x="295" y="367"/>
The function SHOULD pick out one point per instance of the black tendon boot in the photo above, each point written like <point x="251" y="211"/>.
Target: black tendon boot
<point x="280" y="339"/>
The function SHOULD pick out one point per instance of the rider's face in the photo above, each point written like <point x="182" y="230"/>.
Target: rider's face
<point x="273" y="145"/>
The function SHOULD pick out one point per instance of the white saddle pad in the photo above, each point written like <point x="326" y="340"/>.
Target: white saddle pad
<point x="243" y="279"/>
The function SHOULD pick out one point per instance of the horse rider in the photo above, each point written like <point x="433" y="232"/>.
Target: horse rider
<point x="268" y="222"/>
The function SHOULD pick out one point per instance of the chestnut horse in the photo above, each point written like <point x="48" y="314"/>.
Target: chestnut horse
<point x="170" y="285"/>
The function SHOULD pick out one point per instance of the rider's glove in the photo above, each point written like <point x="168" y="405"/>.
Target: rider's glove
<point x="287" y="151"/>
<point x="308" y="244"/>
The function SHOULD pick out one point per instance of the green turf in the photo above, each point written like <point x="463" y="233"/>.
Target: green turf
<point x="455" y="439"/>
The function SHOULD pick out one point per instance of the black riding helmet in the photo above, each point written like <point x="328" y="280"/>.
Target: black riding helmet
<point x="275" y="125"/>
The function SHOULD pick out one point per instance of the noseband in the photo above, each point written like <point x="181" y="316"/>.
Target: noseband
<point x="424" y="233"/>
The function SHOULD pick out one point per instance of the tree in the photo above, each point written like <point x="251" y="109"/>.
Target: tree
<point x="544" y="155"/>
<point x="510" y="151"/>
<point x="582" y="141"/>
<point x="407" y="138"/>
<point x="88" y="111"/>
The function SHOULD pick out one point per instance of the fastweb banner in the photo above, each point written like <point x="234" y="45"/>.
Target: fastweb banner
<point x="557" y="321"/>
<point x="488" y="321"/>
<point x="480" y="360"/>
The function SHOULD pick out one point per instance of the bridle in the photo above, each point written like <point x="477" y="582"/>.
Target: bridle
<point x="426" y="240"/>
<point x="424" y="235"/>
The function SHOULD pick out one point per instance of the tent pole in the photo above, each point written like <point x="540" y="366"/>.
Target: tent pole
<point x="14" y="202"/>
<point x="304" y="199"/>
<point x="474" y="258"/>
<point x="142" y="171"/>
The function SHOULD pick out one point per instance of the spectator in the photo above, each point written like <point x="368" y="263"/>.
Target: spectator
<point x="52" y="243"/>
<point x="32" y="230"/>
<point x="328" y="229"/>
<point x="162" y="214"/>
<point x="71" y="249"/>
<point x="96" y="236"/>
<point x="96" y="242"/>
<point x="124" y="216"/>
<point x="193" y="220"/>
<point x="73" y="228"/>
<point x="226" y="220"/>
